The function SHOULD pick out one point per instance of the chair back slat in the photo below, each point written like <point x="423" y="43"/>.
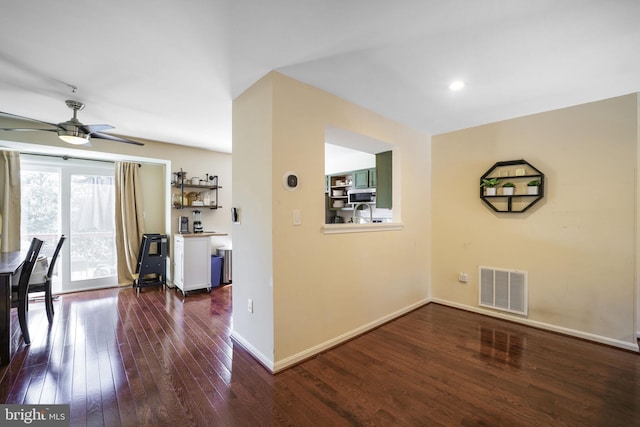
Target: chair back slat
<point x="19" y="296"/>
<point x="27" y="267"/>
<point x="54" y="257"/>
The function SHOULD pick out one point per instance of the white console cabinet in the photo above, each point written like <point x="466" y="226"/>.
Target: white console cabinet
<point x="192" y="262"/>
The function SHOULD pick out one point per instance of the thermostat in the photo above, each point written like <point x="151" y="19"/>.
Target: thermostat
<point x="290" y="181"/>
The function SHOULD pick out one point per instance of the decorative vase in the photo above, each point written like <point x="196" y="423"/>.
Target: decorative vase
<point x="532" y="189"/>
<point x="507" y="191"/>
<point x="489" y="191"/>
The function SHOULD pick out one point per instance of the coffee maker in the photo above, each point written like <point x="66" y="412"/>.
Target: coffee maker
<point x="197" y="223"/>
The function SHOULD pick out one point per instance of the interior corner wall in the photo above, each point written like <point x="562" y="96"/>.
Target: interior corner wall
<point x="310" y="290"/>
<point x="252" y="235"/>
<point x="578" y="244"/>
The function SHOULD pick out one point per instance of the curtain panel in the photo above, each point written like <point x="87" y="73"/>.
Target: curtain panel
<point x="9" y="201"/>
<point x="129" y="220"/>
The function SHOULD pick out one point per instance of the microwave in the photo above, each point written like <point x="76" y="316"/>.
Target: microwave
<point x="365" y="195"/>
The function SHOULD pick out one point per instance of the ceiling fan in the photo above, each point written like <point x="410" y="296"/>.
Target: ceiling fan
<point x="73" y="131"/>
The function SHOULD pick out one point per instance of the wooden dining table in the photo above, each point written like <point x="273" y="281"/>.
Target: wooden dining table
<point x="10" y="262"/>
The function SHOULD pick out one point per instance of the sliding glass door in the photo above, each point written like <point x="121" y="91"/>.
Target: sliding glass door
<point x="91" y="228"/>
<point x="74" y="198"/>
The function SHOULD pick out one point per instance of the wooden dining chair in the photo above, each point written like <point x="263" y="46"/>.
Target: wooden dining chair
<point x="19" y="291"/>
<point x="46" y="285"/>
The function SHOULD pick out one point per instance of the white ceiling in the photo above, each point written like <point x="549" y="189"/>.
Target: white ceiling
<point x="168" y="70"/>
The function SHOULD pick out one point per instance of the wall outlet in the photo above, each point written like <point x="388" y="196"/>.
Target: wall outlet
<point x="297" y="217"/>
<point x="250" y="305"/>
<point x="463" y="277"/>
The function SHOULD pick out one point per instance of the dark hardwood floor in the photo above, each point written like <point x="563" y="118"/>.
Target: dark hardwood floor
<point x="159" y="360"/>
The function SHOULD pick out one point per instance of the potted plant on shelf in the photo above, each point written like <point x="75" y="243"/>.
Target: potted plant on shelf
<point x="533" y="187"/>
<point x="489" y="185"/>
<point x="508" y="188"/>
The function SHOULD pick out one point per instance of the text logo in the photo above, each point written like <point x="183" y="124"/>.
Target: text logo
<point x="34" y="415"/>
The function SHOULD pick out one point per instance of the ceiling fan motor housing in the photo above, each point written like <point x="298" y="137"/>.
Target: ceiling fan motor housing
<point x="74" y="105"/>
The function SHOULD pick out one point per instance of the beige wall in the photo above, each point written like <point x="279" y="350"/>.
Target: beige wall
<point x="324" y="288"/>
<point x="153" y="197"/>
<point x="198" y="162"/>
<point x="578" y="244"/>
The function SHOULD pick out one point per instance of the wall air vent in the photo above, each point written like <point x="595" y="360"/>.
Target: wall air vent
<point x="504" y="290"/>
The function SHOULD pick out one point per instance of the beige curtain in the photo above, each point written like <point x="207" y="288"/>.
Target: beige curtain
<point x="129" y="220"/>
<point x="9" y="201"/>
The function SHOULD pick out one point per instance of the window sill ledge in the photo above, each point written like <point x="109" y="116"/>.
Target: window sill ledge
<point x="360" y="228"/>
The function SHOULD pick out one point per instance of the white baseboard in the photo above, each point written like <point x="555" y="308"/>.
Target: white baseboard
<point x="546" y="326"/>
<point x="260" y="357"/>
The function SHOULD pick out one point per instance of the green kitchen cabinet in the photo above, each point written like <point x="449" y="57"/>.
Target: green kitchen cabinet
<point x="372" y="178"/>
<point x="361" y="178"/>
<point x="384" y="187"/>
<point x="365" y="178"/>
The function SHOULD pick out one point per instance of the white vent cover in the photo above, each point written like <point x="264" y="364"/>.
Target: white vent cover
<point x="505" y="290"/>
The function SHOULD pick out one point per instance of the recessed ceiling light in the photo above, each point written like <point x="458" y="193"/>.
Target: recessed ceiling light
<point x="456" y="85"/>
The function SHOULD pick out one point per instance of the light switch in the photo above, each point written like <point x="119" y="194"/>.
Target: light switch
<point x="297" y="217"/>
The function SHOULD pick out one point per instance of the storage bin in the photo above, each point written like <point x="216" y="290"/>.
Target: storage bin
<point x="216" y="270"/>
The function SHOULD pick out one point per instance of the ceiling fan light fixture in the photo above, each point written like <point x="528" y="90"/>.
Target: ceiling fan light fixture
<point x="74" y="136"/>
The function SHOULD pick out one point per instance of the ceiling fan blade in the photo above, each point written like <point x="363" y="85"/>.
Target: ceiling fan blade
<point x="114" y="138"/>
<point x="23" y="129"/>
<point x="96" y="128"/>
<point x="15" y="116"/>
